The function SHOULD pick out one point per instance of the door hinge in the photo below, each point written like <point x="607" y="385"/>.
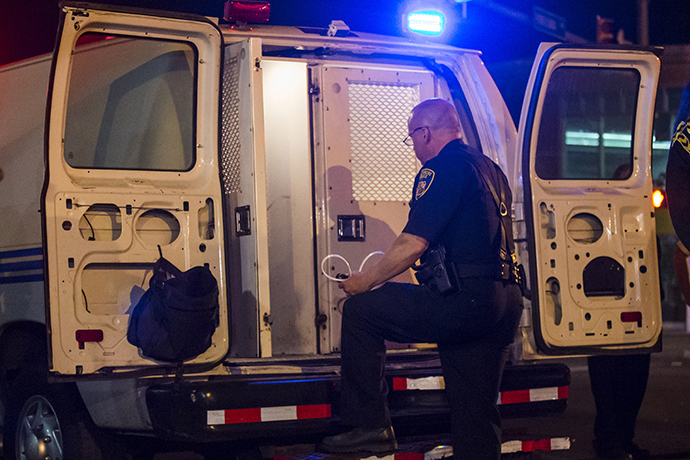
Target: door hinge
<point x="267" y="319"/>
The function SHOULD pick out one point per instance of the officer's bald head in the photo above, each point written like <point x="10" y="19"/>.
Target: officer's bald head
<point x="432" y="124"/>
<point x="437" y="114"/>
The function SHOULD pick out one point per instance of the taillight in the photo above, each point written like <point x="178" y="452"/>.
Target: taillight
<point x="658" y="198"/>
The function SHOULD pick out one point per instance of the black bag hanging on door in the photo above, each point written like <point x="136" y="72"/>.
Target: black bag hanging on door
<point x="176" y="317"/>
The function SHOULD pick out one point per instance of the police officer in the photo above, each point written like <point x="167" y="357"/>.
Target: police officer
<point x="460" y="202"/>
<point x="678" y="172"/>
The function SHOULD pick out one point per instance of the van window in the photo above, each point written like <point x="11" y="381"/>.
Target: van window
<point x="383" y="168"/>
<point x="586" y="129"/>
<point x="131" y="104"/>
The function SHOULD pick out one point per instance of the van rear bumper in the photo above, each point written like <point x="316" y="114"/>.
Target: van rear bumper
<point x="237" y="408"/>
<point x="227" y="409"/>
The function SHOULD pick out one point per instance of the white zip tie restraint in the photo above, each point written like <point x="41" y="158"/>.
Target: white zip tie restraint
<point x="349" y="269"/>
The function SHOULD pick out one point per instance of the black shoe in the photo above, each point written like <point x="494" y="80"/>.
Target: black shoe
<point x="607" y="451"/>
<point x="637" y="453"/>
<point x="360" y="440"/>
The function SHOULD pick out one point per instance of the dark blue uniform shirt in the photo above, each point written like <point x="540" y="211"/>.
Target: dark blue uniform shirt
<point x="451" y="206"/>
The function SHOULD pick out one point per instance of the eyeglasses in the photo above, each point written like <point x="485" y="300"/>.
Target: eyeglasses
<point x="408" y="140"/>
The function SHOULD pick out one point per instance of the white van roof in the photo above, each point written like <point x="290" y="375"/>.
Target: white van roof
<point x="313" y="38"/>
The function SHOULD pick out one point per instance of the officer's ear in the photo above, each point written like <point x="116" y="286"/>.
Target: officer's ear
<point x="426" y="134"/>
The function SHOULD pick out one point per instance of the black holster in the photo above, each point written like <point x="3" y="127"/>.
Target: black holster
<point x="437" y="273"/>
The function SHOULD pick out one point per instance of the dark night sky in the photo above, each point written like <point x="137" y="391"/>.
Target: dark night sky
<point x="28" y="27"/>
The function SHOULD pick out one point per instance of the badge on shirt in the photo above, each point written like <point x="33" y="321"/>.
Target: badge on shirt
<point x="426" y="177"/>
<point x="681" y="137"/>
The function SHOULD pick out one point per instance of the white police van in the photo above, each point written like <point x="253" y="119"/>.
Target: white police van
<point x="258" y="151"/>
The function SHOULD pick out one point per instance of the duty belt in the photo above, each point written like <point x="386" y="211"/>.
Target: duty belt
<point x="492" y="271"/>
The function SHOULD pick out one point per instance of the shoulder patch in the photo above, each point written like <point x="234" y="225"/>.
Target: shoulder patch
<point x="681" y="137"/>
<point x="426" y="177"/>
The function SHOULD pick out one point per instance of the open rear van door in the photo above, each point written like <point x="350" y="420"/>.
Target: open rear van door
<point x="131" y="172"/>
<point x="585" y="144"/>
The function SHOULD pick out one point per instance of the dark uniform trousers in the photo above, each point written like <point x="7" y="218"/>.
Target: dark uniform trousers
<point x="472" y="328"/>
<point x="618" y="385"/>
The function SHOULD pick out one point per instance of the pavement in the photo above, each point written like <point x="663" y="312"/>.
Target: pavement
<point x="663" y="425"/>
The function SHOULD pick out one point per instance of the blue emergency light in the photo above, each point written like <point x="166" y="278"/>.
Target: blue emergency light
<point x="428" y="22"/>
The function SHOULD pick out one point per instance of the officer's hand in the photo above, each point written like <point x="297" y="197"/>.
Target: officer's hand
<point x="356" y="283"/>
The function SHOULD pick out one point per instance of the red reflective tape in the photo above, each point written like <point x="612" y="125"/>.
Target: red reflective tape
<point x="631" y="316"/>
<point x="409" y="456"/>
<point x="525" y="396"/>
<point x="562" y="392"/>
<point x="243" y="415"/>
<point x="314" y="411"/>
<point x="399" y="384"/>
<point x="513" y="397"/>
<point x="89" y="335"/>
<point x="531" y="446"/>
<point x="527" y="446"/>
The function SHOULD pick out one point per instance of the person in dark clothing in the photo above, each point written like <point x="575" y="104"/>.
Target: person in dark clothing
<point x="678" y="172"/>
<point x="454" y="206"/>
<point x="618" y="385"/>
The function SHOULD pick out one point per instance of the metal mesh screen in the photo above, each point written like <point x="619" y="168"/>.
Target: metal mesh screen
<point x="383" y="168"/>
<point x="230" y="136"/>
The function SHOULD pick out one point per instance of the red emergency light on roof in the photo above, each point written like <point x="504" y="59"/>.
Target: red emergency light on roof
<point x="247" y="11"/>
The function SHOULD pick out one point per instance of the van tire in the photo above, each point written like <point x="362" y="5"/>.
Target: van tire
<point x="66" y="430"/>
